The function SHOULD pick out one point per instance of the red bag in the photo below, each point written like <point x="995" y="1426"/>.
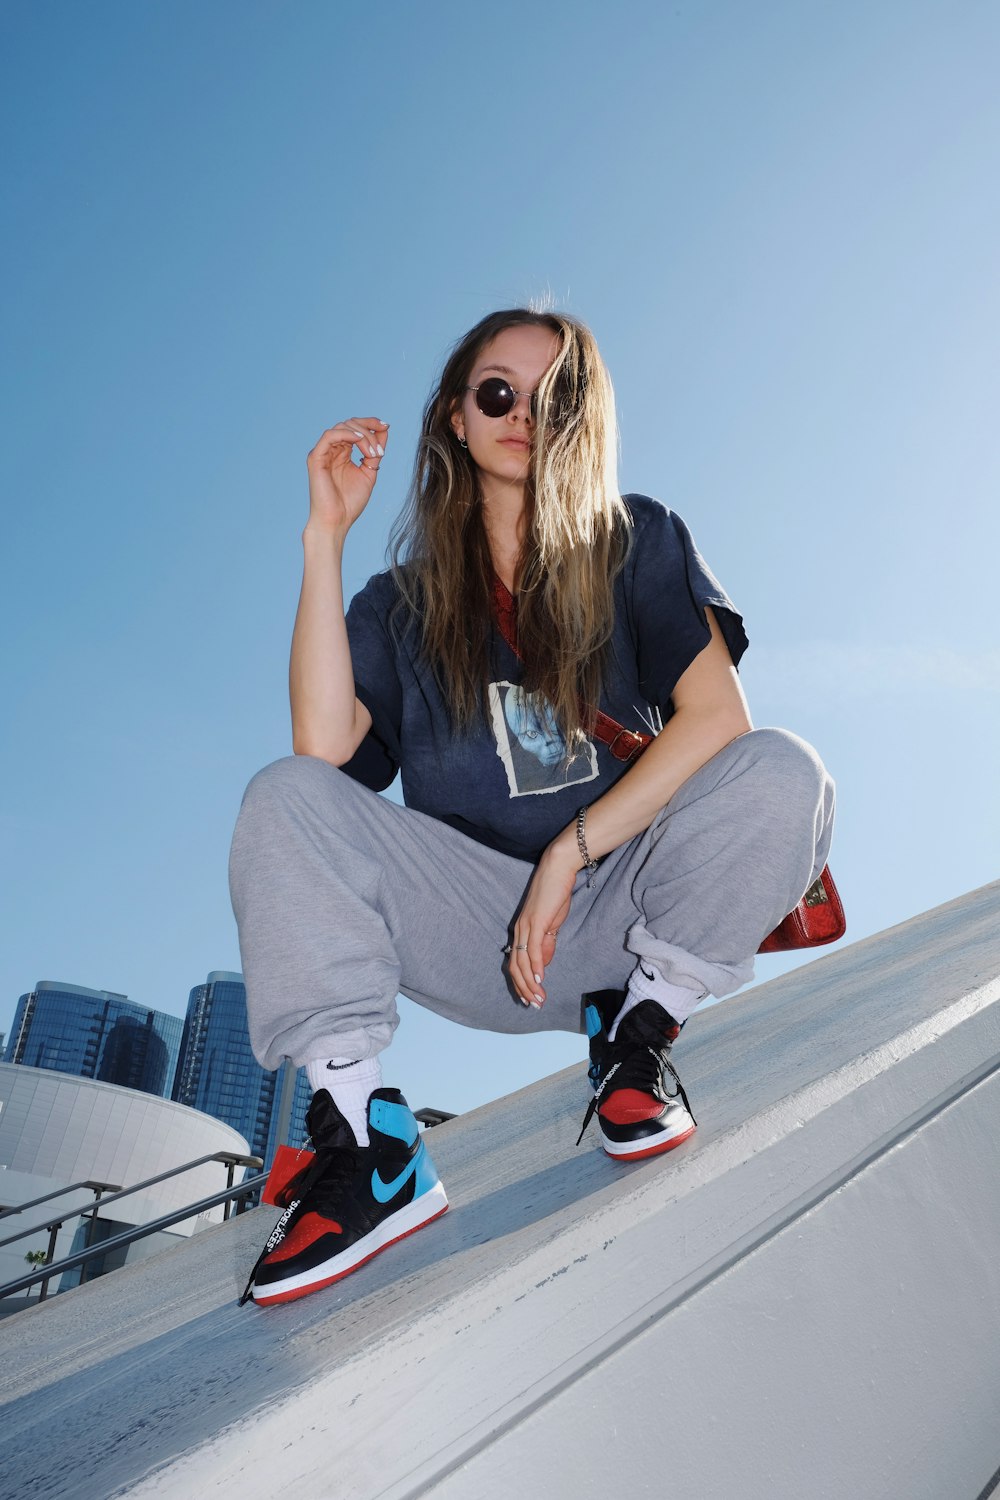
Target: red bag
<point x="819" y="916"/>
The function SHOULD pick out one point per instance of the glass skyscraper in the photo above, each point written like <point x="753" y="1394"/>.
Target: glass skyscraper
<point x="95" y="1034"/>
<point x="218" y="1073"/>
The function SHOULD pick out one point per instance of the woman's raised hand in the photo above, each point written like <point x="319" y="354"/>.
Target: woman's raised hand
<point x="339" y="488"/>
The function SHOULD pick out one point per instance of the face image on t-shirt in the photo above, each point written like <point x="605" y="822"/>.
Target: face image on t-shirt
<point x="530" y="745"/>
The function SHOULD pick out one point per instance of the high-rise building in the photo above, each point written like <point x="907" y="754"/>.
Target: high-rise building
<point x="95" y="1034"/>
<point x="218" y="1073"/>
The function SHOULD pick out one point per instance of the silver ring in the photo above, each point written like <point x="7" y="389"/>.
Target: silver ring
<point x="520" y="948"/>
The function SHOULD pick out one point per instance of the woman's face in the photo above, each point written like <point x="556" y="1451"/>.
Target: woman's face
<point x="500" y="447"/>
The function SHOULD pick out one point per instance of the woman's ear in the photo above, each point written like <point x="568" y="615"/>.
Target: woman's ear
<point x="457" y="420"/>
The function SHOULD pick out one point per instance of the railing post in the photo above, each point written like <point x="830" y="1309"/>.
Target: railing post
<point x="88" y="1239"/>
<point x="229" y="1182"/>
<point x="49" y="1254"/>
<point x="126" y="1237"/>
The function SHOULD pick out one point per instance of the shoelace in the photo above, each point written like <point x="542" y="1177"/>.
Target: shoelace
<point x="331" y="1169"/>
<point x="641" y="1073"/>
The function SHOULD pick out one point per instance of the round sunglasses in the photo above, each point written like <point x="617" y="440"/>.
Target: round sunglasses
<point x="496" y="397"/>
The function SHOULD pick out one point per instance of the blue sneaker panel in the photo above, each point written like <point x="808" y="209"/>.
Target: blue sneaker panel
<point x="426" y="1176"/>
<point x="592" y="1018"/>
<point x="395" y="1120"/>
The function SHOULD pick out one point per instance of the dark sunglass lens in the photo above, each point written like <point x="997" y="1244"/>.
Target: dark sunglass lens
<point x="495" y="397"/>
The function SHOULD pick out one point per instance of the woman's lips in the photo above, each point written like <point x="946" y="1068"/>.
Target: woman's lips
<point x="515" y="443"/>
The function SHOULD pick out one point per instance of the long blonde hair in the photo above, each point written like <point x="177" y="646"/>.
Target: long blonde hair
<point x="576" y="537"/>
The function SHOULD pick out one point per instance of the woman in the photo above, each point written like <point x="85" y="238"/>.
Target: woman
<point x="534" y="630"/>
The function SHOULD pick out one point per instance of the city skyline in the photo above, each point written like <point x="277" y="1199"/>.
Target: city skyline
<point x="204" y="1062"/>
<point x="218" y="1074"/>
<point x="100" y="1034"/>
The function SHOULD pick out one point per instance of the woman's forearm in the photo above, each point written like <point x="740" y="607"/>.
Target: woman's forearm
<point x="709" y="711"/>
<point x="689" y="739"/>
<point x="321" y="675"/>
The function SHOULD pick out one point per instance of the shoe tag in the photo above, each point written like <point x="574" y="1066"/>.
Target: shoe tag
<point x="287" y="1161"/>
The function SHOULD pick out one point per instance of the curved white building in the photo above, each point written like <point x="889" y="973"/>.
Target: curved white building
<point x="56" y="1130"/>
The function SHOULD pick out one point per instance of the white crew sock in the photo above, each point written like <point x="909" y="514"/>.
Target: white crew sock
<point x="647" y="983"/>
<point x="350" y="1083"/>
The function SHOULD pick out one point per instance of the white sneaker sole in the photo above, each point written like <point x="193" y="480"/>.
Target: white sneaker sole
<point x="679" y="1130"/>
<point x="397" y="1226"/>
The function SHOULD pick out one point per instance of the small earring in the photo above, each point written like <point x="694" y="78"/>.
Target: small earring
<point x="463" y="443"/>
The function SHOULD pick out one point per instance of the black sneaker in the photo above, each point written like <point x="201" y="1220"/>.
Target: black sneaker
<point x="636" y="1115"/>
<point x="348" y="1202"/>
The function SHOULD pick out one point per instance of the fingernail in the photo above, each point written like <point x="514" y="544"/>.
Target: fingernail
<point x="537" y="978"/>
<point x="381" y="450"/>
<point x="371" y="450"/>
<point x="538" y="1001"/>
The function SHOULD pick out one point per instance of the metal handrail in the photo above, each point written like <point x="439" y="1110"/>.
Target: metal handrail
<point x="227" y="1158"/>
<point x="428" y="1117"/>
<point x="432" y="1117"/>
<point x="95" y="1187"/>
<point x="140" y="1231"/>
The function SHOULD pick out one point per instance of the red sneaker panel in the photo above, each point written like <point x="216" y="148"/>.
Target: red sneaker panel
<point x="626" y="1106"/>
<point x="265" y="1299"/>
<point x="307" y="1231"/>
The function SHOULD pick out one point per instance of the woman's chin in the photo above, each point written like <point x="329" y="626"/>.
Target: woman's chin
<point x="512" y="463"/>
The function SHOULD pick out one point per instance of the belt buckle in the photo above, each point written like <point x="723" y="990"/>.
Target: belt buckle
<point x="629" y="753"/>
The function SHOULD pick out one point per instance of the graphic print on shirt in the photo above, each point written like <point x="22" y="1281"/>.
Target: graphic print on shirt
<point x="530" y="745"/>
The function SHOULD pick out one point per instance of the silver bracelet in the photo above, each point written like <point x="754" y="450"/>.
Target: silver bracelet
<point x="590" y="865"/>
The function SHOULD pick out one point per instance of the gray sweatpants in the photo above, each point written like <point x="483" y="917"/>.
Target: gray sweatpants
<point x="344" y="899"/>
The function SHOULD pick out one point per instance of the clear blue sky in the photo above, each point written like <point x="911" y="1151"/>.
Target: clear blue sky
<point x="228" y="226"/>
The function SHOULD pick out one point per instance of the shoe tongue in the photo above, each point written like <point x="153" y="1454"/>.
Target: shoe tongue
<point x="326" y="1125"/>
<point x="647" y="1022"/>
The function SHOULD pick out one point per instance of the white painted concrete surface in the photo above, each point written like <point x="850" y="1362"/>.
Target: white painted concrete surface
<point x="802" y="1301"/>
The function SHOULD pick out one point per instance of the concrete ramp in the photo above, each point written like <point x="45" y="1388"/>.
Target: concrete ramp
<point x="801" y="1302"/>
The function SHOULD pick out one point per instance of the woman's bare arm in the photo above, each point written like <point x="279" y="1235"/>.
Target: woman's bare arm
<point x="709" y="711"/>
<point x="328" y="721"/>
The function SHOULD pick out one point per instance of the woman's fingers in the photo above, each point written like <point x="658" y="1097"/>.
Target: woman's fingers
<point x="371" y="434"/>
<point x="527" y="963"/>
<point x="368" y="434"/>
<point x="545" y="908"/>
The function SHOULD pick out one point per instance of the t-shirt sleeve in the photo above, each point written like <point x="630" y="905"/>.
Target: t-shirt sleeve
<point x="377" y="685"/>
<point x="671" y="584"/>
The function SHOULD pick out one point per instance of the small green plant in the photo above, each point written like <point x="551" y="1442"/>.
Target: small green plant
<point x="37" y="1257"/>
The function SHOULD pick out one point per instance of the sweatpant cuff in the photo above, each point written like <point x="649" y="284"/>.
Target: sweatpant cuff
<point x="356" y="1045"/>
<point x="681" y="967"/>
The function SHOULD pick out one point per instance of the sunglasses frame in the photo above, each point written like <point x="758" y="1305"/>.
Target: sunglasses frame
<point x="496" y="416"/>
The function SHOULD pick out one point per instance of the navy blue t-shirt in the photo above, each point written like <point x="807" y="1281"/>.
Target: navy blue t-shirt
<point x="507" y="783"/>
